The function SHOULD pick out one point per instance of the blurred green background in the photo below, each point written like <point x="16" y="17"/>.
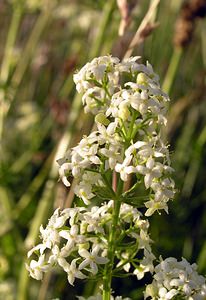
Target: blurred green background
<point x="42" y="43"/>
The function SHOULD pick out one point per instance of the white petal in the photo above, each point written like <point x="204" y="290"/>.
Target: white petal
<point x="94" y="268"/>
<point x="130" y="170"/>
<point x="85" y="263"/>
<point x="84" y="253"/>
<point x="150" y="163"/>
<point x="101" y="260"/>
<point x="71" y="278"/>
<point x="74" y="230"/>
<point x="118" y="168"/>
<point x="65" y="181"/>
<point x="141" y="169"/>
<point x="139" y="144"/>
<point x="65" y="234"/>
<point x="148" y="180"/>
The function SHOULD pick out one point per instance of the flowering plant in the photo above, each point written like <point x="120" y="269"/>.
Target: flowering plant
<point x="122" y="167"/>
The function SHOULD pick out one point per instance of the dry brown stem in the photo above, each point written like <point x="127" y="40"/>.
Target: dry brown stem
<point x="125" y="7"/>
<point x="146" y="22"/>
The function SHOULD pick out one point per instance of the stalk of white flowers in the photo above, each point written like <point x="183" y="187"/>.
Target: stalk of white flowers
<point x="173" y="279"/>
<point x="76" y="240"/>
<point x="130" y="111"/>
<point x="128" y="138"/>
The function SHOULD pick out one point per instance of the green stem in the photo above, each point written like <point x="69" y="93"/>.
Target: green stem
<point x="35" y="185"/>
<point x="107" y="14"/>
<point x="30" y="48"/>
<point x="123" y="128"/>
<point x="107" y="278"/>
<point x="131" y="128"/>
<point x="108" y="184"/>
<point x="7" y="60"/>
<point x="172" y="69"/>
<point x="12" y="33"/>
<point x="137" y="127"/>
<point x="24" y="61"/>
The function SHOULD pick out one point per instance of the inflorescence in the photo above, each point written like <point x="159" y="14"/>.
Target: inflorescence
<point x="126" y="153"/>
<point x="130" y="111"/>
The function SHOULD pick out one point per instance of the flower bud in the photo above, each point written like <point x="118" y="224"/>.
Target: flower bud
<point x="101" y="118"/>
<point x="142" y="78"/>
<point x="83" y="227"/>
<point x="124" y="113"/>
<point x="84" y="246"/>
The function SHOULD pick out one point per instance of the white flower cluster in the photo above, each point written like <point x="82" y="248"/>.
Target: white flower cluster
<point x="100" y="149"/>
<point x="76" y="240"/>
<point x="173" y="279"/>
<point x="97" y="80"/>
<point x="130" y="108"/>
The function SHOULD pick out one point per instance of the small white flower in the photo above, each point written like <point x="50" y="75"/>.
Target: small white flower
<point x="152" y="171"/>
<point x="58" y="257"/>
<point x="113" y="155"/>
<point x="107" y="135"/>
<point x="73" y="272"/>
<point x="36" y="268"/>
<point x="40" y="248"/>
<point x="153" y="206"/>
<point x="50" y="234"/>
<point x="126" y="266"/>
<point x="63" y="170"/>
<point x="84" y="191"/>
<point x="125" y="169"/>
<point x="72" y="236"/>
<point x="92" y="259"/>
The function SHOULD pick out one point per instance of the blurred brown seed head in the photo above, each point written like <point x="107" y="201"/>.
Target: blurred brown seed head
<point x="125" y="7"/>
<point x="198" y="8"/>
<point x="185" y="25"/>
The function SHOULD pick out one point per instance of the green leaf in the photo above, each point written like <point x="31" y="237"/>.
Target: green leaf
<point x="137" y="201"/>
<point x="103" y="193"/>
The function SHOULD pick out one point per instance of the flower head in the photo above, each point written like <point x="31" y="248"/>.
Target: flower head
<point x="130" y="115"/>
<point x="174" y="278"/>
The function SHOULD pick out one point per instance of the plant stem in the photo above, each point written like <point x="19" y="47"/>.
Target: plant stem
<point x="8" y="56"/>
<point x="107" y="277"/>
<point x="33" y="188"/>
<point x="40" y="25"/>
<point x="11" y="38"/>
<point x="107" y="14"/>
<point x="148" y="18"/>
<point x="24" y="61"/>
<point x="172" y="69"/>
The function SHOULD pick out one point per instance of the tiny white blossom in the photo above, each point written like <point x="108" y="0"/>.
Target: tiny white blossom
<point x="58" y="257"/>
<point x="92" y="259"/>
<point x="36" y="268"/>
<point x="73" y="272"/>
<point x="72" y="236"/>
